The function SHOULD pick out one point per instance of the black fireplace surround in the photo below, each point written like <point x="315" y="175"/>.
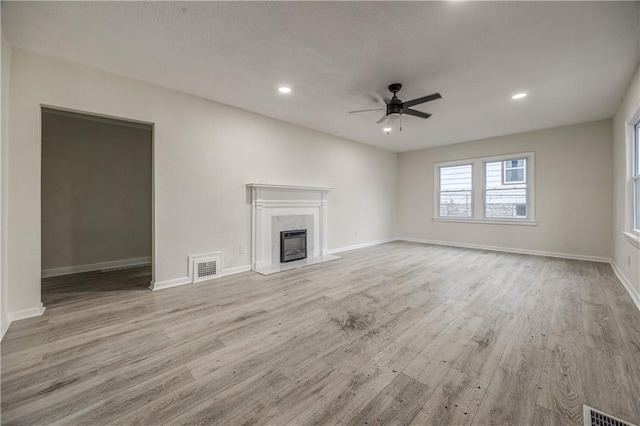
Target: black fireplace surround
<point x="293" y="245"/>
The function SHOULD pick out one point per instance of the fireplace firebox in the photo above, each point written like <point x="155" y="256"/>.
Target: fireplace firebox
<point x="293" y="245"/>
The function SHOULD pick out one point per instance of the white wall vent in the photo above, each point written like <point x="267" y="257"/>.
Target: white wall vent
<point x="204" y="267"/>
<point x="593" y="417"/>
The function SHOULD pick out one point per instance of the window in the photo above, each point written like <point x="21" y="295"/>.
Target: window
<point x="513" y="171"/>
<point x="455" y="191"/>
<point x="487" y="190"/>
<point x="632" y="198"/>
<point x="636" y="177"/>
<point x="505" y="189"/>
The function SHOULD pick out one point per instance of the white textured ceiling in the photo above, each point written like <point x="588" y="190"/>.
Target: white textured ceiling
<point x="574" y="59"/>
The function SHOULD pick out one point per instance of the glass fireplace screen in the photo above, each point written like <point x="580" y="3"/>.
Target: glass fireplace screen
<point x="293" y="245"/>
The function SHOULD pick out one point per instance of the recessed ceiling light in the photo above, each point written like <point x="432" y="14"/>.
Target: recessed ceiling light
<point x="519" y="96"/>
<point x="386" y="129"/>
<point x="284" y="89"/>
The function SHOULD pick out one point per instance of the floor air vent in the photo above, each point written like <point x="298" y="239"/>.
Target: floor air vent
<point x="204" y="267"/>
<point x="593" y="417"/>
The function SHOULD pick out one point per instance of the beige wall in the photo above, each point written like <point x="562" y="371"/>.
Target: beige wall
<point x="625" y="255"/>
<point x="4" y="137"/>
<point x="96" y="191"/>
<point x="572" y="192"/>
<point x="204" y="155"/>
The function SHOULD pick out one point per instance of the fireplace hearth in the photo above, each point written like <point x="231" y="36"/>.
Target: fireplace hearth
<point x="293" y="245"/>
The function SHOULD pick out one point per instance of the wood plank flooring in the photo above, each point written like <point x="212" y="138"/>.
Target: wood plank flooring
<point x="400" y="333"/>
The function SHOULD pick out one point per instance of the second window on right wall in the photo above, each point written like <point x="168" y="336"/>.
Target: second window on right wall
<point x="506" y="189"/>
<point x="635" y="178"/>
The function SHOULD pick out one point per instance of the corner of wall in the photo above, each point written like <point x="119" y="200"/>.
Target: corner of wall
<point x="395" y="228"/>
<point x="5" y="66"/>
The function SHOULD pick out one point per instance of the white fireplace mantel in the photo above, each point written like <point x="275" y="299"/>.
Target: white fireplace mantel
<point x="269" y="201"/>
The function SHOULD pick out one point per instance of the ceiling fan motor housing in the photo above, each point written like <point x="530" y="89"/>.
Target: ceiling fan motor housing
<point x="395" y="105"/>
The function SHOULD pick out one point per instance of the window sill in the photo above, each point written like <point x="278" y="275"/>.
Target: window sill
<point x="489" y="221"/>
<point x="632" y="238"/>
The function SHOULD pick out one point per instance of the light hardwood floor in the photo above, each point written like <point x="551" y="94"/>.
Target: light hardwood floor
<point x="399" y="333"/>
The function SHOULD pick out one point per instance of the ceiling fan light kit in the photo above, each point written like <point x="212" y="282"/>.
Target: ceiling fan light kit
<point x="394" y="121"/>
<point x="395" y="108"/>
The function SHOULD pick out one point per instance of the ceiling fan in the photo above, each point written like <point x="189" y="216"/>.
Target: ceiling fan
<point x="395" y="108"/>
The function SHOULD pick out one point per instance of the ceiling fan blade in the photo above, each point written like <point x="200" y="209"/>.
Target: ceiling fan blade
<point x="416" y="113"/>
<point x="384" y="117"/>
<point x="421" y="100"/>
<point x="376" y="97"/>
<point x="366" y="110"/>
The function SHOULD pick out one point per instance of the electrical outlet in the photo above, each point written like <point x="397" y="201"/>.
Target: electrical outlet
<point x="356" y="234"/>
<point x="241" y="249"/>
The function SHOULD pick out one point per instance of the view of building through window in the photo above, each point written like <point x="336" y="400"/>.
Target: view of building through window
<point x="487" y="189"/>
<point x="506" y="189"/>
<point x="455" y="191"/>
<point x="514" y="171"/>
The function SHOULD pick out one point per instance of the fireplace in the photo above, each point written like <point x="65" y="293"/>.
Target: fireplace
<point x="293" y="245"/>
<point x="278" y="208"/>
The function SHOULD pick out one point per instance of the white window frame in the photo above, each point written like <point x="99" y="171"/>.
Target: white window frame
<point x="438" y="166"/>
<point x="631" y="231"/>
<point x="479" y="188"/>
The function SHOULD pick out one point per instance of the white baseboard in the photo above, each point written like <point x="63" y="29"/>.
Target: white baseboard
<point x="509" y="250"/>
<point x="359" y="246"/>
<point x="161" y="285"/>
<point x="26" y="313"/>
<point x="236" y="270"/>
<point x="55" y="272"/>
<point x="175" y="282"/>
<point x="635" y="295"/>
<point x="5" y="326"/>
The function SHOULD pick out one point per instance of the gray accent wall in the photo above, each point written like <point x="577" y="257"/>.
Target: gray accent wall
<point x="96" y="190"/>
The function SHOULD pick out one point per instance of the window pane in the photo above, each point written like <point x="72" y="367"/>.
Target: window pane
<point x="514" y="163"/>
<point x="637" y="152"/>
<point x="506" y="203"/>
<point x="636" y="180"/>
<point x="455" y="191"/>
<point x="455" y="178"/>
<point x="493" y="174"/>
<point x="455" y="204"/>
<point x="636" y="184"/>
<point x="514" y="175"/>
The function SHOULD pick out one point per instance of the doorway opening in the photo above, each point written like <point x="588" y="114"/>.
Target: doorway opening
<point x="96" y="203"/>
